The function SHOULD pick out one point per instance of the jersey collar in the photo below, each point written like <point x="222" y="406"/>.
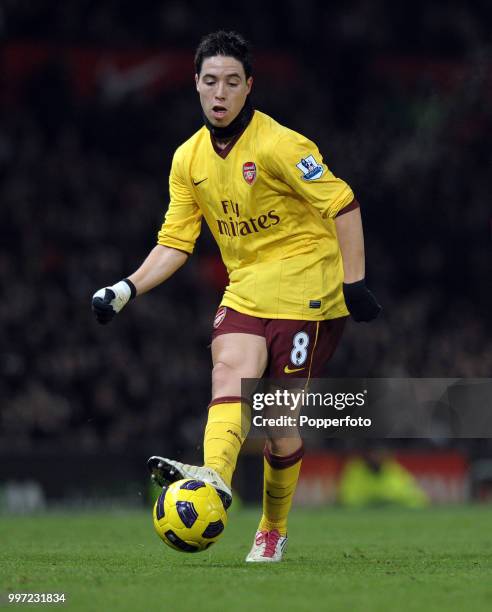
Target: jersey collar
<point x="232" y="131"/>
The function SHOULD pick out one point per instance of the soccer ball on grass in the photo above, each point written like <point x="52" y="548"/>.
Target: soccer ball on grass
<point x="189" y="515"/>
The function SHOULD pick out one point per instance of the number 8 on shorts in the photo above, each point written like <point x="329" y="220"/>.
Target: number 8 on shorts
<point x="298" y="354"/>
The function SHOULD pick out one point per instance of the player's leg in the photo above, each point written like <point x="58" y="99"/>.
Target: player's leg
<point x="298" y="349"/>
<point x="238" y="351"/>
<point x="235" y="356"/>
<point x="282" y="458"/>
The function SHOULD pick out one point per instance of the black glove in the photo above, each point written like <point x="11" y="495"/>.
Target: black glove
<point x="110" y="300"/>
<point x="360" y="302"/>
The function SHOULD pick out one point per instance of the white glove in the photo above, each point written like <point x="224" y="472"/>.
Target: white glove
<point x="110" y="300"/>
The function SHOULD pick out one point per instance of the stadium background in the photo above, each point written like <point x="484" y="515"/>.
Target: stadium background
<point x="95" y="97"/>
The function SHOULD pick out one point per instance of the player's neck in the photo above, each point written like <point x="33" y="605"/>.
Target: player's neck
<point x="221" y="144"/>
<point x="224" y="135"/>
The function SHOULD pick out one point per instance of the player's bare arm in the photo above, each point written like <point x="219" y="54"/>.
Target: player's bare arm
<point x="161" y="263"/>
<point x="360" y="302"/>
<point x="351" y="241"/>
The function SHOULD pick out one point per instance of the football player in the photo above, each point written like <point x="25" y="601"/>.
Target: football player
<point x="290" y="235"/>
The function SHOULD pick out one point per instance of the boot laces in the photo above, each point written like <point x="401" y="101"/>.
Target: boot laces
<point x="261" y="537"/>
<point x="272" y="539"/>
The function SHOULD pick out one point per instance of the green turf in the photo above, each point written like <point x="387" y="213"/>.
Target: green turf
<point x="389" y="559"/>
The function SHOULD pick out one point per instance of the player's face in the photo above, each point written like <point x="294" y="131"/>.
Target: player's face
<point x="223" y="88"/>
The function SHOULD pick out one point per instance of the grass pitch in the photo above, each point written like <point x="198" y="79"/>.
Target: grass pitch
<point x="368" y="560"/>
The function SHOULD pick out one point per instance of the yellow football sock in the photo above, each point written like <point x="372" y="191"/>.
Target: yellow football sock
<point x="279" y="485"/>
<point x="228" y="425"/>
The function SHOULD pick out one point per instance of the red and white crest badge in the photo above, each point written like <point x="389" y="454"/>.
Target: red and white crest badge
<point x="220" y="316"/>
<point x="249" y="172"/>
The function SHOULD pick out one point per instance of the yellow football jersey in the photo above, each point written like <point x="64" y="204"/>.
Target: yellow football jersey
<point x="270" y="204"/>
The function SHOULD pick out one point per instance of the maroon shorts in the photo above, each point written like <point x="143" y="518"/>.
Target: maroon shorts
<point x="296" y="349"/>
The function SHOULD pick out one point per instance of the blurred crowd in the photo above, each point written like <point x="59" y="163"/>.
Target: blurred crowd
<point x="83" y="190"/>
<point x="452" y="28"/>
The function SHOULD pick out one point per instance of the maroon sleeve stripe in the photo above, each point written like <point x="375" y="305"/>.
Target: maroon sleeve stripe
<point x="352" y="206"/>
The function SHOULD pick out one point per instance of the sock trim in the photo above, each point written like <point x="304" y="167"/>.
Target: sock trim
<point x="229" y="399"/>
<point x="279" y="462"/>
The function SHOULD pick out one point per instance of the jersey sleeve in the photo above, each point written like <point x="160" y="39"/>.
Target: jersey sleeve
<point x="297" y="162"/>
<point x="183" y="219"/>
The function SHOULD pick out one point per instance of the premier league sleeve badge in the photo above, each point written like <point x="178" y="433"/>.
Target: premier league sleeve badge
<point x="310" y="168"/>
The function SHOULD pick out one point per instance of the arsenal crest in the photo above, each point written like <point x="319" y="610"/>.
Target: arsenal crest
<point x="249" y="172"/>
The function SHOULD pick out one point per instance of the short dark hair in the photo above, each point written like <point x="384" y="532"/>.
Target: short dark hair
<point x="228" y="44"/>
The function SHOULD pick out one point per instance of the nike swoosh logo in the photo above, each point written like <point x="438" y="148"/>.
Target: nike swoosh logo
<point x="198" y="182"/>
<point x="275" y="497"/>
<point x="287" y="370"/>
